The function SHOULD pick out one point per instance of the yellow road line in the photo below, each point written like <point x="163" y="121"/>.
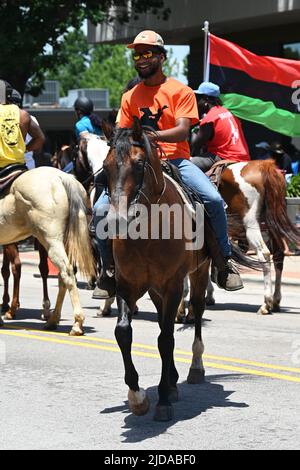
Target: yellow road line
<point x="151" y="355"/>
<point x="261" y="365"/>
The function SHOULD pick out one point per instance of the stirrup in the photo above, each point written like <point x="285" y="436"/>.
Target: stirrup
<point x="227" y="278"/>
<point x="106" y="288"/>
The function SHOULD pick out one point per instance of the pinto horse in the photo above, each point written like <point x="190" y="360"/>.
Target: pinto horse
<point x="255" y="195"/>
<point x="51" y="206"/>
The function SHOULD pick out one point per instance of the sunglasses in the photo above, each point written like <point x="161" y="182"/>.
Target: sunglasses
<point x="146" y="55"/>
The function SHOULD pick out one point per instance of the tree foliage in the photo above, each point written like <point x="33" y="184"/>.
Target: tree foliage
<point x="75" y="54"/>
<point x="27" y="26"/>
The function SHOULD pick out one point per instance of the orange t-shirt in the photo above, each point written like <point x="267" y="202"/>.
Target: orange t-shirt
<point x="159" y="107"/>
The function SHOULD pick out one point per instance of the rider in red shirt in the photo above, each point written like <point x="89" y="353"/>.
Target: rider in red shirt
<point x="220" y="133"/>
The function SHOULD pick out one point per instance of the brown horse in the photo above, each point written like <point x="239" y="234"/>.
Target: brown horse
<point x="157" y="265"/>
<point x="155" y="242"/>
<point x="11" y="258"/>
<point x="255" y="195"/>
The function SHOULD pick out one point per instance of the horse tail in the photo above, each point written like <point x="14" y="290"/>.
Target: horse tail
<point x="243" y="260"/>
<point x="276" y="217"/>
<point x="77" y="240"/>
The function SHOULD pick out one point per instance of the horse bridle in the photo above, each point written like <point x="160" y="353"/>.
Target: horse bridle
<point x="147" y="146"/>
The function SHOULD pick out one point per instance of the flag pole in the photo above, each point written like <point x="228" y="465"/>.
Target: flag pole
<point x="205" y="64"/>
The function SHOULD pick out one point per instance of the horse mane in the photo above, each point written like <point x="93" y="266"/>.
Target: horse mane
<point x="121" y="141"/>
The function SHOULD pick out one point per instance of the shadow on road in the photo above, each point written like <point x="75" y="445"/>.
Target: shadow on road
<point x="246" y="308"/>
<point x="194" y="401"/>
<point x="25" y="314"/>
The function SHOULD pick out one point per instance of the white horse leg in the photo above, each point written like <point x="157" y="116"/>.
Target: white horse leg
<point x="58" y="256"/>
<point x="197" y="367"/>
<point x="256" y="241"/>
<point x="106" y="310"/>
<point x="209" y="299"/>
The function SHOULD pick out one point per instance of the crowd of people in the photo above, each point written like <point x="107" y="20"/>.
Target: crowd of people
<point x="171" y="109"/>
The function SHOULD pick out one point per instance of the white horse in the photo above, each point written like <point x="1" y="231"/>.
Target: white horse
<point x="51" y="206"/>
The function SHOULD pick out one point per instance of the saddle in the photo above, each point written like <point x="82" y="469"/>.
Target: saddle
<point x="9" y="174"/>
<point x="172" y="171"/>
<point x="215" y="172"/>
<point x="211" y="244"/>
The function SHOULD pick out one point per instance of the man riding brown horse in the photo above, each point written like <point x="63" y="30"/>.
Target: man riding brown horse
<point x="172" y="109"/>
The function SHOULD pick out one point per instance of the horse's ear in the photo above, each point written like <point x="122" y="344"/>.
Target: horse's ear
<point x="107" y="128"/>
<point x="137" y="130"/>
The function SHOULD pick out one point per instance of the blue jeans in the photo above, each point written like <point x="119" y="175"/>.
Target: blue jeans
<point x="195" y="179"/>
<point x="100" y="211"/>
<point x="213" y="202"/>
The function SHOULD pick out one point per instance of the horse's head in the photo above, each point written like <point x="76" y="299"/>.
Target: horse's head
<point x="132" y="168"/>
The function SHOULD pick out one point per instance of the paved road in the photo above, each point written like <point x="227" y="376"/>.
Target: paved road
<point x="59" y="392"/>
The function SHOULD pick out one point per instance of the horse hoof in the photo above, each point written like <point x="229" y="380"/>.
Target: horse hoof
<point x="163" y="413"/>
<point x="179" y="319"/>
<point x="76" y="331"/>
<point x="1" y="322"/>
<point x="173" y="395"/>
<point x="9" y="316"/>
<point x="104" y="313"/>
<point x="136" y="310"/>
<point x="209" y="302"/>
<point x="142" y="409"/>
<point x="45" y="316"/>
<point x="138" y="402"/>
<point x="190" y="319"/>
<point x="50" y="327"/>
<point x="196" y="376"/>
<point x="264" y="311"/>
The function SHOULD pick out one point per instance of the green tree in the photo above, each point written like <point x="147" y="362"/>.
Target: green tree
<point x="292" y="53"/>
<point x="171" y="66"/>
<point x="75" y="51"/>
<point x="27" y="26"/>
<point x="185" y="66"/>
<point x="111" y="68"/>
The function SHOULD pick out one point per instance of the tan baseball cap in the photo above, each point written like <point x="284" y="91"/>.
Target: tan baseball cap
<point x="150" y="38"/>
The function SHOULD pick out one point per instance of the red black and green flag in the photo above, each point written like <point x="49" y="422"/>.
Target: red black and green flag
<point x="261" y="89"/>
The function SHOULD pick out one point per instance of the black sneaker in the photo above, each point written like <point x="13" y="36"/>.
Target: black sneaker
<point x="228" y="278"/>
<point x="106" y="289"/>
